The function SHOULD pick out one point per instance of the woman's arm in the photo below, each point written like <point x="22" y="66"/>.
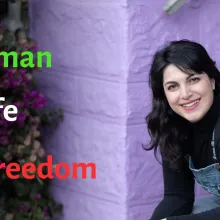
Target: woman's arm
<point x="178" y="193"/>
<point x="213" y="214"/>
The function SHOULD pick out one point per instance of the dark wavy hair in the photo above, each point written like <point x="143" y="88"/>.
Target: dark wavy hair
<point x="169" y="131"/>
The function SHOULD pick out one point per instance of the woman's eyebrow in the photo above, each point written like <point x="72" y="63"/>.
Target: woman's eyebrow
<point x="172" y="82"/>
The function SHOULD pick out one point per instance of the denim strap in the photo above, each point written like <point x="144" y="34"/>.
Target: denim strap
<point x="214" y="148"/>
<point x="213" y="145"/>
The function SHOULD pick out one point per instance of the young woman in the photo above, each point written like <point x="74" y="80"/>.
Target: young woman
<point x="185" y="124"/>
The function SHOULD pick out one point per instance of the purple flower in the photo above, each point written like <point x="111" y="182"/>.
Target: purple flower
<point x="23" y="75"/>
<point x="9" y="70"/>
<point x="34" y="100"/>
<point x="4" y="132"/>
<point x="21" y="118"/>
<point x="15" y="84"/>
<point x="18" y="104"/>
<point x="4" y="140"/>
<point x="46" y="213"/>
<point x="38" y="196"/>
<point x="6" y="84"/>
<point x="14" y="79"/>
<point x="4" y="122"/>
<point x="22" y="71"/>
<point x="25" y="208"/>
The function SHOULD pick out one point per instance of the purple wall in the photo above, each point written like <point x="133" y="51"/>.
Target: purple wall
<point x="101" y="52"/>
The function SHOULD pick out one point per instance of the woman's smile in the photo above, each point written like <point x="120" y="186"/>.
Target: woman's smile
<point x="192" y="105"/>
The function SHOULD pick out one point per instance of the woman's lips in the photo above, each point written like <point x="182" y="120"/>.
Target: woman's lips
<point x="191" y="106"/>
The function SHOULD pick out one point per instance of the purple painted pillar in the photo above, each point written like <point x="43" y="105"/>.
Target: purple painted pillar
<point x="101" y="53"/>
<point x="88" y="79"/>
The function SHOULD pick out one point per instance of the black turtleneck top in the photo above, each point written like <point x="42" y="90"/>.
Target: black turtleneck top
<point x="179" y="195"/>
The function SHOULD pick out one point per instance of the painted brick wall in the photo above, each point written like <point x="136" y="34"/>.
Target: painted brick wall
<point x="101" y="54"/>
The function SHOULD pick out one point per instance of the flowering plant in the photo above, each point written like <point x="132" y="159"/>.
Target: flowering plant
<point x="20" y="140"/>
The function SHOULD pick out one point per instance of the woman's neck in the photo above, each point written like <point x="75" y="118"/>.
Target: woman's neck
<point x="208" y="122"/>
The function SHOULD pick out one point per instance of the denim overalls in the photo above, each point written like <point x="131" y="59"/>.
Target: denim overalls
<point x="208" y="177"/>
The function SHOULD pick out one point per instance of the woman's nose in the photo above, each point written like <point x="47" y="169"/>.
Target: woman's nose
<point x="185" y="92"/>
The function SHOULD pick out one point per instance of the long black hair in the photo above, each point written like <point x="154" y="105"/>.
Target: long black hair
<point x="167" y="130"/>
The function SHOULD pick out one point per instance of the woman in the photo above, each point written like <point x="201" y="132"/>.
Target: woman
<point x="185" y="124"/>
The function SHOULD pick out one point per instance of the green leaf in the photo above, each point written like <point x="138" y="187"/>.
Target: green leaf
<point x="21" y="188"/>
<point x="38" y="214"/>
<point x="19" y="139"/>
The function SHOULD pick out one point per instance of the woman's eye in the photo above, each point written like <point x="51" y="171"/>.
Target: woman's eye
<point x="171" y="87"/>
<point x="194" y="79"/>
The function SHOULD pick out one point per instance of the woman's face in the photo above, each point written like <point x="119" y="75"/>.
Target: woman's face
<point x="190" y="96"/>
